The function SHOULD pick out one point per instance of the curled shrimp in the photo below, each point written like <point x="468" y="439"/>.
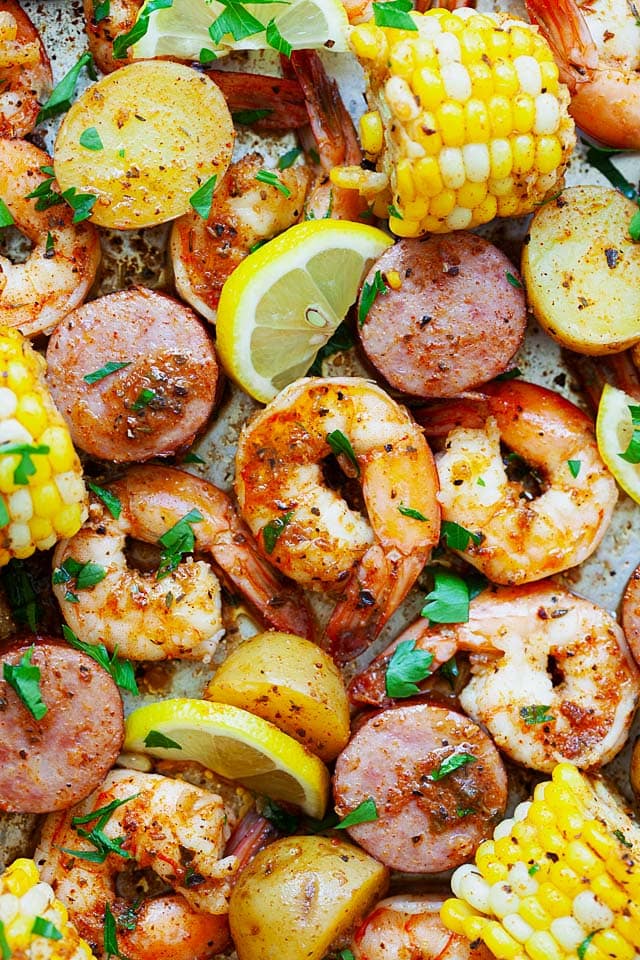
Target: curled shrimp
<point x="171" y="828"/>
<point x="244" y="212"/>
<point x="409" y="926"/>
<point x="25" y="71"/>
<point x="309" y="531"/>
<point x="148" y="616"/>
<point x="552" y="677"/>
<point x="64" y="260"/>
<point x="519" y="539"/>
<point x="596" y="44"/>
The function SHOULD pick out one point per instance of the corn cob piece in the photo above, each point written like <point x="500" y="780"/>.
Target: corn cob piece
<point x="42" y="493"/>
<point x="559" y="881"/>
<point x="33" y="924"/>
<point x="467" y="120"/>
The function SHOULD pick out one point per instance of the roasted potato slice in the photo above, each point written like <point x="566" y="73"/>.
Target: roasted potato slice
<point x="582" y="270"/>
<point x="143" y="140"/>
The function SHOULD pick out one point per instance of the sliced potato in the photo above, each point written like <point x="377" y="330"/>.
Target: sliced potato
<point x="162" y="130"/>
<point x="299" y="895"/>
<point x="582" y="270"/>
<point x="291" y="682"/>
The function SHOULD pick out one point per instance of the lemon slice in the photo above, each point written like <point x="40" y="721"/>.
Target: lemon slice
<point x="182" y="30"/>
<point x="234" y="744"/>
<point x="283" y="302"/>
<point x="614" y="432"/>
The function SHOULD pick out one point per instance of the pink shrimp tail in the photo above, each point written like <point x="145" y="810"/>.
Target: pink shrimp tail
<point x="251" y="834"/>
<point x="594" y="372"/>
<point x="566" y="31"/>
<point x="282" y="97"/>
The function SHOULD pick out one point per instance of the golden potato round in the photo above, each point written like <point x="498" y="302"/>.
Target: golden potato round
<point x="299" y="894"/>
<point x="582" y="270"/>
<point x="156" y="132"/>
<point x="291" y="682"/>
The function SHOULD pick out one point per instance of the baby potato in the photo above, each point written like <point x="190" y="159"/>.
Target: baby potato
<point x="291" y="682"/>
<point x="143" y="140"/>
<point x="582" y="270"/>
<point x="299" y="895"/>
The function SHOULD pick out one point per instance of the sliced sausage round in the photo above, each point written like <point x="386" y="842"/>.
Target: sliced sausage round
<point x="454" y="323"/>
<point x="164" y="384"/>
<point x="437" y="781"/>
<point x="631" y="614"/>
<point x="53" y="763"/>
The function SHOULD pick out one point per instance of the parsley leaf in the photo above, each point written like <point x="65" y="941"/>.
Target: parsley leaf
<point x="454" y="762"/>
<point x="634" y="227"/>
<point x="457" y="537"/>
<point x="448" y="602"/>
<point x="81" y="203"/>
<point x="101" y="10"/>
<point x="206" y="56"/>
<point x="202" y="199"/>
<point x="393" y="211"/>
<point x="49" y="250"/>
<point x="110" y="936"/>
<point x="104" y="845"/>
<point x="5" y="949"/>
<point x="464" y="811"/>
<point x="451" y="671"/>
<point x="6" y="219"/>
<point x="341" y="445"/>
<point x="144" y="398"/>
<point x="43" y="194"/>
<point x="284" y="821"/>
<point x="247" y="117"/>
<point x="111" y="502"/>
<point x="406" y="669"/>
<point x="121" y="670"/>
<point x="192" y="457"/>
<point x="273" y="530"/>
<point x="277" y="41"/>
<point x="25" y="467"/>
<point x="574" y="467"/>
<point x="509" y="374"/>
<point x="365" y="812"/>
<point x="289" y="158"/>
<point x="371" y="290"/>
<point x="514" y="281"/>
<point x="44" y="928"/>
<point x="271" y="178"/>
<point x="62" y="94"/>
<point x="394" y="13"/>
<point x="125" y="40"/>
<point x="178" y="540"/>
<point x="85" y="575"/>
<point x="25" y="680"/>
<point x="632" y="453"/>
<point x="90" y="139"/>
<point x="535" y="713"/>
<point x="582" y="947"/>
<point x="619" y="835"/>
<point x="236" y="20"/>
<point x="111" y="367"/>
<point x="410" y="512"/>
<point x="600" y="159"/>
<point x="156" y="739"/>
<point x="340" y="340"/>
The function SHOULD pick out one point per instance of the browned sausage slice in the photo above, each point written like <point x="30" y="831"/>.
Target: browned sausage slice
<point x="456" y="320"/>
<point x="631" y="614"/>
<point x="153" y="406"/>
<point x="428" y="820"/>
<point x="53" y="763"/>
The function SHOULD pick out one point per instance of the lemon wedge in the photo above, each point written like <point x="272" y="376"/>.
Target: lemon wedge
<point x="182" y="29"/>
<point x="618" y="433"/>
<point x="234" y="744"/>
<point x="283" y="302"/>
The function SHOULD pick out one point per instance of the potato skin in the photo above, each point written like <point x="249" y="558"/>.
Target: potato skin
<point x="291" y="682"/>
<point x="582" y="270"/>
<point x="299" y="895"/>
<point x="165" y="130"/>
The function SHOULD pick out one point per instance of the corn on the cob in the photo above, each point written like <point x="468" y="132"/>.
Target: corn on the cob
<point x="42" y="494"/>
<point x="559" y="881"/>
<point x="474" y="118"/>
<point x="25" y="904"/>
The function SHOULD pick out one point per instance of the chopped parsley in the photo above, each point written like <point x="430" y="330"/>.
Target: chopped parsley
<point x="406" y="669"/>
<point x="101" y="10"/>
<point x="574" y="467"/>
<point x="273" y="530"/>
<point x="111" y="502"/>
<point x="601" y="160"/>
<point x="81" y="203"/>
<point x="121" y="670"/>
<point x="284" y="821"/>
<point x="289" y="158"/>
<point x="44" y="194"/>
<point x="393" y="211"/>
<point x="206" y="56"/>
<point x="451" y="671"/>
<point x="202" y="199"/>
<point x="247" y="117"/>
<point x="110" y="936"/>
<point x="582" y="947"/>
<point x="156" y="739"/>
<point x="236" y="20"/>
<point x="26" y="467"/>
<point x="394" y="13"/>
<point x="25" y="680"/>
<point x="454" y="762"/>
<point x="277" y="41"/>
<point x="365" y="812"/>
<point x="144" y="398"/>
<point x="123" y="41"/>
<point x="448" y="602"/>
<point x="111" y="367"/>
<point x="619" y="835"/>
<point x="632" y="453"/>
<point x="90" y="139"/>
<point x="272" y="179"/>
<point x="178" y="540"/>
<point x="6" y="220"/>
<point x="339" y="340"/>
<point x="80" y="576"/>
<point x="457" y="537"/>
<point x="536" y="713"/>
<point x="634" y="227"/>
<point x="49" y="249"/>
<point x="410" y="512"/>
<point x="63" y="93"/>
<point x="371" y="290"/>
<point x="514" y="281"/>
<point x="103" y="844"/>
<point x="341" y="446"/>
<point x="5" y="949"/>
<point x="44" y="928"/>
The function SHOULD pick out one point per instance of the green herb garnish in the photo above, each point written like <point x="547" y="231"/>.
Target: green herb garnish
<point x="406" y="669"/>
<point x="365" y="812"/>
<point x="274" y="529"/>
<point x="25" y="680"/>
<point x="454" y="762"/>
<point x="177" y="541"/>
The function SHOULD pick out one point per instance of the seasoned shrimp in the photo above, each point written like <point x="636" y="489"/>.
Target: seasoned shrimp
<point x="171" y="828"/>
<point x="309" y="531"/>
<point x="244" y="212"/>
<point x="596" y="44"/>
<point x="552" y="676"/>
<point x="177" y="615"/>
<point x="57" y="276"/>
<point x="25" y="71"/>
<point x="408" y="927"/>
<point x="120" y="17"/>
<point x="521" y="539"/>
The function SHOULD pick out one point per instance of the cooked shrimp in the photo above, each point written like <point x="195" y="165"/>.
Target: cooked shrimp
<point x="630" y="613"/>
<point x="552" y="676"/>
<point x="121" y="16"/>
<point x="309" y="531"/>
<point x="178" y="615"/>
<point x="58" y="273"/>
<point x="408" y="927"/>
<point x="522" y="539"/>
<point x="596" y="44"/>
<point x="244" y="212"/>
<point x="172" y="828"/>
<point x="25" y="71"/>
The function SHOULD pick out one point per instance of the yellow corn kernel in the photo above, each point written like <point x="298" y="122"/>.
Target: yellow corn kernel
<point x="497" y="42"/>
<point x="428" y="87"/>
<point x="450" y="117"/>
<point x="505" y="79"/>
<point x="20" y="876"/>
<point x="424" y="131"/>
<point x="41" y="529"/>
<point x="46" y="500"/>
<point x="550" y="75"/>
<point x="405" y="185"/>
<point x="371" y="132"/>
<point x="415" y="209"/>
<point x="427" y="177"/>
<point x="62" y="456"/>
<point x="393" y="279"/>
<point x="553" y="900"/>
<point x="472" y="46"/>
<point x="613" y="945"/>
<point x="583" y="860"/>
<point x="402" y="58"/>
<point x="500" y="159"/>
<point x="566" y="879"/>
<point x="68" y="519"/>
<point x="533" y="912"/>
<point x="542" y="946"/>
<point x="31" y="414"/>
<point x="487" y="210"/>
<point x="629" y="928"/>
<point x="501" y="943"/>
<point x="524" y="113"/>
<point x="508" y="206"/>
<point x="476" y="120"/>
<point x="369" y="42"/>
<point x="608" y="891"/>
<point x="506" y="851"/>
<point x="8" y="464"/>
<point x="451" y="24"/>
<point x="471" y="195"/>
<point x="454" y="912"/>
<point x="548" y="154"/>
<point x="481" y="78"/>
<point x="520" y="41"/>
<point x="474" y="926"/>
<point x="500" y="116"/>
<point x="523" y="148"/>
<point x="452" y="169"/>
